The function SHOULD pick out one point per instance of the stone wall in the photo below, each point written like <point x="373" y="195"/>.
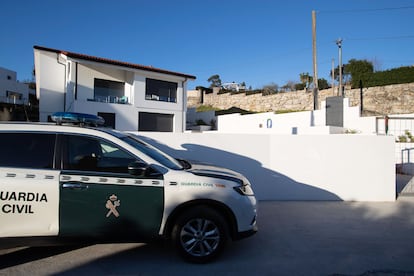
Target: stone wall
<point x="381" y="100"/>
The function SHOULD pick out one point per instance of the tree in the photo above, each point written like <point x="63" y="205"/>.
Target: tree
<point x="323" y="84"/>
<point x="305" y="80"/>
<point x="214" y="81"/>
<point x="269" y="89"/>
<point x="359" y="70"/>
<point x="354" y="71"/>
<point x="289" y="86"/>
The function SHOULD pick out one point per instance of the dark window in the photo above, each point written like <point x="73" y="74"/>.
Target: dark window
<point x="155" y="122"/>
<point x="158" y="90"/>
<point x="14" y="95"/>
<point x="109" y="91"/>
<point x="27" y="150"/>
<point x="91" y="154"/>
<point x="109" y="119"/>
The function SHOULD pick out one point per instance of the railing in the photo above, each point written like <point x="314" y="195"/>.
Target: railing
<point x="110" y="99"/>
<point x="402" y="128"/>
<point x="13" y="100"/>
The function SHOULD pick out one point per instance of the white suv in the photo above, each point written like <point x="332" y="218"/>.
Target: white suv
<point x="66" y="183"/>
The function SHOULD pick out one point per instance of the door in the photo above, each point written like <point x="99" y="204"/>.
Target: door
<point x="335" y="111"/>
<point x="29" y="185"/>
<point x="100" y="199"/>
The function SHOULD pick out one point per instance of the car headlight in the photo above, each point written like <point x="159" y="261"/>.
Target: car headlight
<point x="244" y="189"/>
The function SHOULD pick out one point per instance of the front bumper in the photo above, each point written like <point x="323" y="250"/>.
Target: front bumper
<point x="246" y="234"/>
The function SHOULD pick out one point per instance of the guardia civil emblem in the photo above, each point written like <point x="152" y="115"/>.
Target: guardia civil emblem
<point x="111" y="205"/>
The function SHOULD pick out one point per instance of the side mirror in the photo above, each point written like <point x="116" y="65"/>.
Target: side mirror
<point x="137" y="168"/>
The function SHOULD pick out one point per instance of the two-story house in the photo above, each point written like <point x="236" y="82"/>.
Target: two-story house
<point x="128" y="96"/>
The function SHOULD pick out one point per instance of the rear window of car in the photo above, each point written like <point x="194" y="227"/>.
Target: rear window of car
<point x="27" y="150"/>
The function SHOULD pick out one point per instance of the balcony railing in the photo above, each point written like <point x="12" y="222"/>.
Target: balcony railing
<point x="110" y="99"/>
<point x="13" y="100"/>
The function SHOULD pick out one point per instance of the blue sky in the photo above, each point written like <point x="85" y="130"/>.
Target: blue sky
<point x="255" y="41"/>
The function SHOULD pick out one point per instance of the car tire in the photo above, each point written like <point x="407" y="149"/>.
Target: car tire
<point x="200" y="234"/>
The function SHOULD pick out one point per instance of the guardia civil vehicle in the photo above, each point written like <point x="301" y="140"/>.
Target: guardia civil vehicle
<point x="71" y="181"/>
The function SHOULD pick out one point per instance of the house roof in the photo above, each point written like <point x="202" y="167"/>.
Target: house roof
<point x="114" y="62"/>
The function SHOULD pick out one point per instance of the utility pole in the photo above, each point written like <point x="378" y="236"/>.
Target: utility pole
<point x="333" y="77"/>
<point x="315" y="67"/>
<point x="340" y="90"/>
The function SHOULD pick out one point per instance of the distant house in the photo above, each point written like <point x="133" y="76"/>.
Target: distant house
<point x="128" y="96"/>
<point x="12" y="91"/>
<point x="15" y="104"/>
<point x="233" y="86"/>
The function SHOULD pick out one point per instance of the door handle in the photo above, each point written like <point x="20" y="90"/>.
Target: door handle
<point x="75" y="185"/>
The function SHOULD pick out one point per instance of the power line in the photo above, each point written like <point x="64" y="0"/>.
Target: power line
<point x="383" y="38"/>
<point x="366" y="10"/>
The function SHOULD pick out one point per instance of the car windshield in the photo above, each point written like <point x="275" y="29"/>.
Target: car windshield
<point x="153" y="152"/>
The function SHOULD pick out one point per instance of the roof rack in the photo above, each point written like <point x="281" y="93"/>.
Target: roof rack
<point x="81" y="119"/>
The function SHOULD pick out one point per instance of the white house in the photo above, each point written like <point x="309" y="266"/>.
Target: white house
<point x="12" y="91"/>
<point x="128" y="96"/>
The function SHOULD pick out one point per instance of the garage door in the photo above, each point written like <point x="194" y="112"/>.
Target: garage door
<point x="155" y="122"/>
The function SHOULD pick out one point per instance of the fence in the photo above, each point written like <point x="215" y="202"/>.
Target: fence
<point x="402" y="128"/>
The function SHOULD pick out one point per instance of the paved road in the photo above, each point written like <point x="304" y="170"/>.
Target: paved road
<point x="295" y="238"/>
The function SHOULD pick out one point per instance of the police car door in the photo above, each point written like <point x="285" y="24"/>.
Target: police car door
<point x="29" y="184"/>
<point x="99" y="198"/>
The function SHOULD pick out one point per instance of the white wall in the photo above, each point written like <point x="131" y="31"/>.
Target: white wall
<point x="305" y="122"/>
<point x="295" y="167"/>
<point x="269" y="122"/>
<point x="50" y="84"/>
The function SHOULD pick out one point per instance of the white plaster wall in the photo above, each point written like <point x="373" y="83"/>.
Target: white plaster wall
<point x="5" y="73"/>
<point x="268" y="122"/>
<point x="141" y="102"/>
<point x="295" y="167"/>
<point x="50" y="80"/>
<point x="126" y="118"/>
<point x="305" y="122"/>
<point x="177" y="109"/>
<point x="87" y="74"/>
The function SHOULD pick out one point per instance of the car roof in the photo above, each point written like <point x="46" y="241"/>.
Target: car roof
<point x="53" y="127"/>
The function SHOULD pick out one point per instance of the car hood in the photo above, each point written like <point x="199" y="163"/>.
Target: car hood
<point x="209" y="170"/>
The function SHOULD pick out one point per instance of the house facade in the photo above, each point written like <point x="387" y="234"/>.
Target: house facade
<point x="12" y="91"/>
<point x="128" y="96"/>
<point x="17" y="99"/>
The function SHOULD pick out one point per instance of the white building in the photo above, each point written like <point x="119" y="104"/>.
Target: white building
<point x="128" y="96"/>
<point x="12" y="91"/>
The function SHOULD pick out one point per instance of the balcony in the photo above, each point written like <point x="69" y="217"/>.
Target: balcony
<point x="110" y="99"/>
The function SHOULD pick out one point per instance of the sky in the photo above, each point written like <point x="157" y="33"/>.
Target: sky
<point x="259" y="42"/>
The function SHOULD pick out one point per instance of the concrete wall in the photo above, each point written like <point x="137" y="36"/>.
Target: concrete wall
<point x="305" y="122"/>
<point x="295" y="167"/>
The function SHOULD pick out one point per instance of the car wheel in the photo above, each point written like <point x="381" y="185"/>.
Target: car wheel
<point x="200" y="234"/>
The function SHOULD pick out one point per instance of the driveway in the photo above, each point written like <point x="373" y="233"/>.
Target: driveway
<point x="294" y="238"/>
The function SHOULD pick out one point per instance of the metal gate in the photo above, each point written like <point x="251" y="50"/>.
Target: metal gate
<point x="335" y="111"/>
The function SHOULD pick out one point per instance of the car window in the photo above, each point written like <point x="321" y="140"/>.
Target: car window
<point x="27" y="150"/>
<point x="91" y="154"/>
<point x="153" y="152"/>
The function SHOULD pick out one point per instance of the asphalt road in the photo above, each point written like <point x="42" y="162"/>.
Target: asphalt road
<point x="294" y="238"/>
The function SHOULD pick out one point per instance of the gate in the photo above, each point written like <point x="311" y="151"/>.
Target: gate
<point x="335" y="111"/>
